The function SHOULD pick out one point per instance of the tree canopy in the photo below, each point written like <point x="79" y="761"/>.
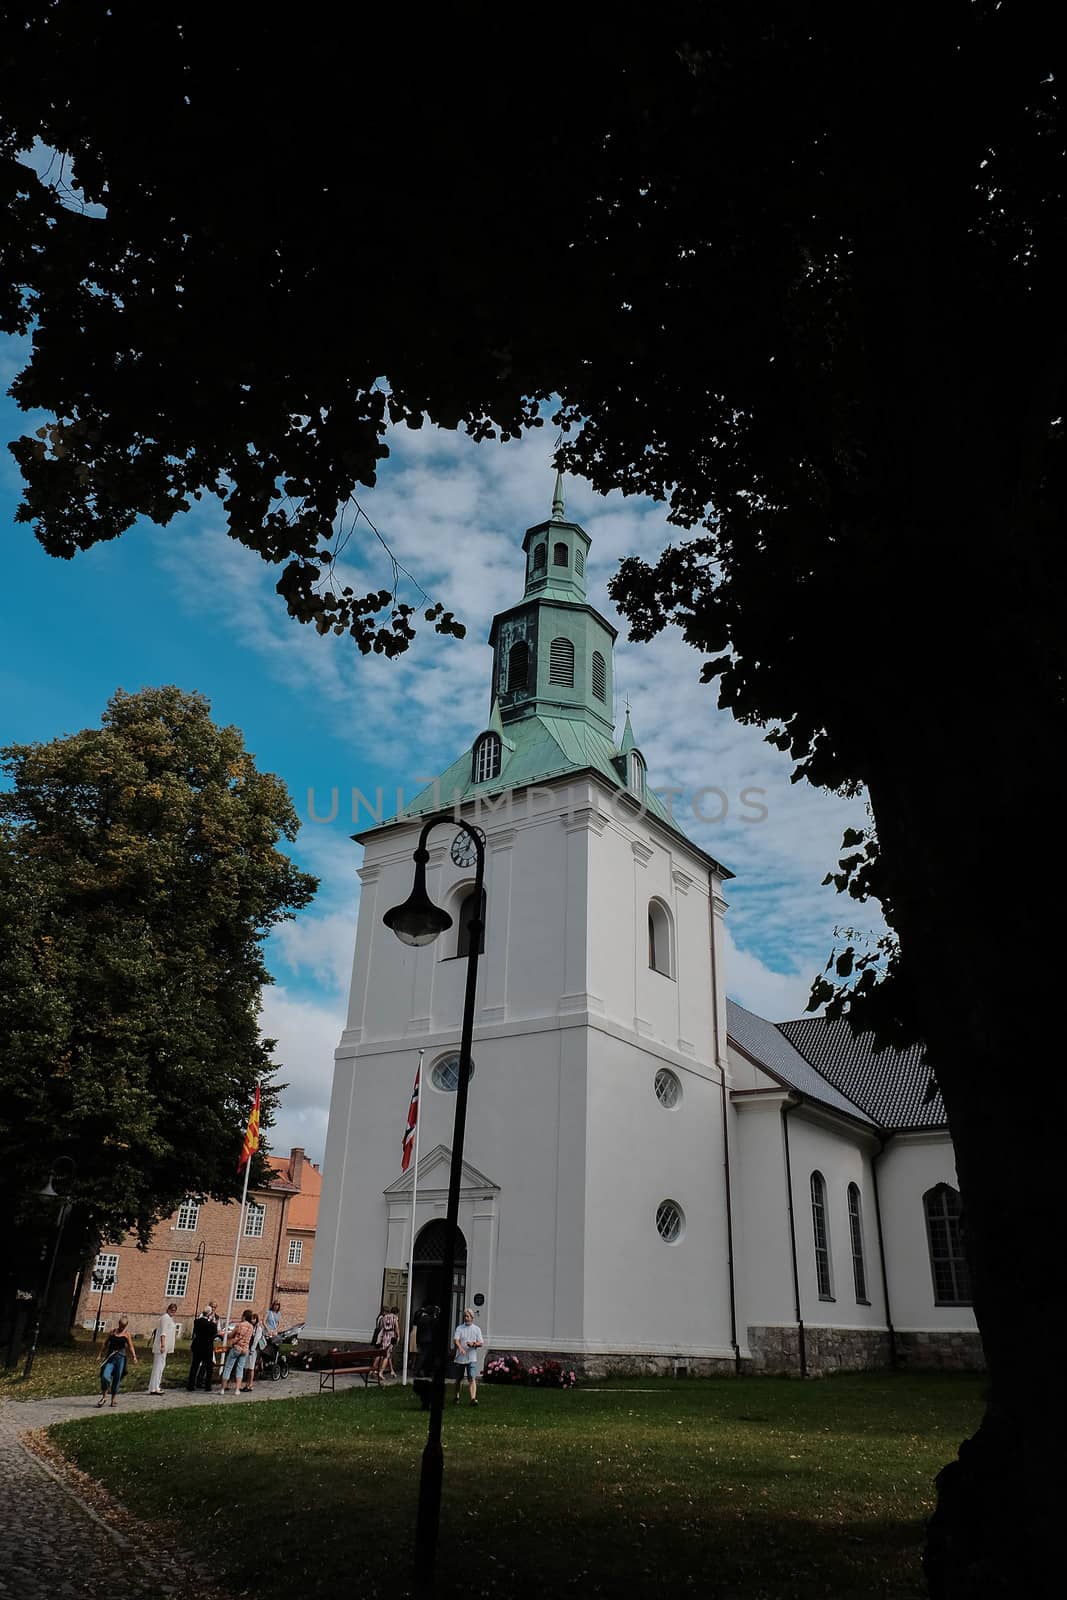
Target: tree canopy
<point x="796" y="270"/>
<point x="139" y="875"/>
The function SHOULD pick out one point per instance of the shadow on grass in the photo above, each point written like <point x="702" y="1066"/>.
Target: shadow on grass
<point x="738" y="1490"/>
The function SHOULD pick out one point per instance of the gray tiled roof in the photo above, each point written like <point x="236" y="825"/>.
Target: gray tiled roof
<point x="891" y="1085"/>
<point x="766" y="1045"/>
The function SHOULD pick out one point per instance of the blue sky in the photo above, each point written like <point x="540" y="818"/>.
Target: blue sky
<point x="186" y="605"/>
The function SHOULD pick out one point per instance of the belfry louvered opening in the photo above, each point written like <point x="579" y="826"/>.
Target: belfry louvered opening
<point x="561" y="662"/>
<point x="599" y="676"/>
<point x="518" y="665"/>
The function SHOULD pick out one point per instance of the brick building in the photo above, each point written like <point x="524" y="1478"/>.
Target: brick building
<point x="190" y="1257"/>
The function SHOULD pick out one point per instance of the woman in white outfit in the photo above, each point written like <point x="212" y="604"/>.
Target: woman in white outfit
<point x="162" y="1345"/>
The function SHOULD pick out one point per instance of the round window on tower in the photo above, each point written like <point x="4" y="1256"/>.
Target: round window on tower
<point x="668" y="1088"/>
<point x="670" y="1221"/>
<point x="445" y="1073"/>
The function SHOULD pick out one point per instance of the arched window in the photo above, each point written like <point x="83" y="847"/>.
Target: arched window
<point x="660" y="942"/>
<point x="600" y="676"/>
<point x="518" y="664"/>
<point x="559" y="555"/>
<point x="821" y="1235"/>
<point x="944" y="1230"/>
<point x="540" y="556"/>
<point x="561" y="662"/>
<point x="637" y="774"/>
<point x="855" y="1228"/>
<point x="579" y="563"/>
<point x="487" y="754"/>
<point x="472" y="906"/>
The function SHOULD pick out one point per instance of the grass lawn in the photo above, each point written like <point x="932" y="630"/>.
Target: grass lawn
<point x="75" y="1369"/>
<point x="745" y="1489"/>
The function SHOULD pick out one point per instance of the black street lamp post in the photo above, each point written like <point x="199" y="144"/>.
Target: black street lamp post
<point x="49" y="1192"/>
<point x="418" y="921"/>
<point x="102" y="1281"/>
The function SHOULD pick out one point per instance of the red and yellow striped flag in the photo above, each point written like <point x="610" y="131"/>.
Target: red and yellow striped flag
<point x="251" y="1144"/>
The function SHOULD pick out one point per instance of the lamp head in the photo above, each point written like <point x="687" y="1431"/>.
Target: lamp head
<point x="418" y="921"/>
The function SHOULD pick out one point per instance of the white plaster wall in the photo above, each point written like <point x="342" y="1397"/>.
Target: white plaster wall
<point x="842" y="1158"/>
<point x="763" y="1262"/>
<point x="912" y="1164"/>
<point x="642" y="1293"/>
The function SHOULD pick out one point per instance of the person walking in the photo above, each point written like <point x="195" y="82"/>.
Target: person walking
<point x="118" y="1350"/>
<point x="202" y="1349"/>
<point x="238" y="1343"/>
<point x="163" y="1341"/>
<point x="257" y="1343"/>
<point x="386" y="1333"/>
<point x="467" y="1341"/>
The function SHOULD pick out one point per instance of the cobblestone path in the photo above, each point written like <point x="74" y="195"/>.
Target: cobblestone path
<point x="51" y="1541"/>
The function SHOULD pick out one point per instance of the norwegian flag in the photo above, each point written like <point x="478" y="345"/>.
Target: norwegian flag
<point x="413" y="1121"/>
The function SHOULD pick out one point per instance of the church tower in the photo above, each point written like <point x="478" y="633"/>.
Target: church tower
<point x="593" y="1214"/>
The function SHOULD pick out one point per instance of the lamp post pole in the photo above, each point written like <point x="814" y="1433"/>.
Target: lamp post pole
<point x="49" y="1193"/>
<point x="102" y="1281"/>
<point x="418" y="921"/>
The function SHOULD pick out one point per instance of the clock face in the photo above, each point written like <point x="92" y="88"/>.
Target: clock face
<point x="463" y="852"/>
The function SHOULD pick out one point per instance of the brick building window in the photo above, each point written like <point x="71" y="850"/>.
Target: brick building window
<point x="296" y="1251"/>
<point x="105" y="1272"/>
<point x="177" y="1280"/>
<point x="254" y="1219"/>
<point x="188" y="1216"/>
<point x="246" y="1283"/>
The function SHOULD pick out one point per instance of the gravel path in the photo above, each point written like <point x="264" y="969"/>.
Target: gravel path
<point x="53" y="1542"/>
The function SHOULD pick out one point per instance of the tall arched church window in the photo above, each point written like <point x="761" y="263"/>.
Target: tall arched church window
<point x="821" y="1235"/>
<point x="487" y="753"/>
<point x="855" y="1228"/>
<point x="559" y="555"/>
<point x="519" y="664"/>
<point x="540" y="557"/>
<point x="660" y="940"/>
<point x="637" y="774"/>
<point x="561" y="662"/>
<point x="944" y="1231"/>
<point x="579" y="563"/>
<point x="600" y="676"/>
<point x="471" y="907"/>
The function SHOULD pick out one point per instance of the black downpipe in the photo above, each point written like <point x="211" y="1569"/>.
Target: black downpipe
<point x="801" y="1343"/>
<point x="882" y="1143"/>
<point x="729" y="1227"/>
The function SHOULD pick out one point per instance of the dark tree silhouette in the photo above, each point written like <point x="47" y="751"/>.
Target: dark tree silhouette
<point x="796" y="269"/>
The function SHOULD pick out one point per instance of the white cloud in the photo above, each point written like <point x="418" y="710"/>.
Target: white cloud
<point x="307" y="1033"/>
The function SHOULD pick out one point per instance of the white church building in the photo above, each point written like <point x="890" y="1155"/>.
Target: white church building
<point x="655" y="1179"/>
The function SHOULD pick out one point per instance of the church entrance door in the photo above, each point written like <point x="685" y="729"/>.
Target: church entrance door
<point x="427" y="1288"/>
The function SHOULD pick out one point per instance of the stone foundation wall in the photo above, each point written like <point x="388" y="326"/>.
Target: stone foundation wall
<point x="623" y="1365"/>
<point x="777" y="1350"/>
<point x="959" y="1351"/>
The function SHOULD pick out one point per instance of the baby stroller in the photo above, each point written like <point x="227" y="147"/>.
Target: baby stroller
<point x="273" y="1360"/>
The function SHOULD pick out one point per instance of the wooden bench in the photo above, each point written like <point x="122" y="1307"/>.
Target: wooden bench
<point x="346" y="1363"/>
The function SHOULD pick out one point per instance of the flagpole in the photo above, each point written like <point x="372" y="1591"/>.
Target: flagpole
<point x="241" y="1219"/>
<point x="237" y="1251"/>
<point x="411" y="1242"/>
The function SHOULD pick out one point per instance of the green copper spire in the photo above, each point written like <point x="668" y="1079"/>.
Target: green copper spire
<point x="628" y="741"/>
<point x="559" y="502"/>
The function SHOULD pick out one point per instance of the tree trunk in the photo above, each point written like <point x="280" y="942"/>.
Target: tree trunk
<point x="959" y="812"/>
